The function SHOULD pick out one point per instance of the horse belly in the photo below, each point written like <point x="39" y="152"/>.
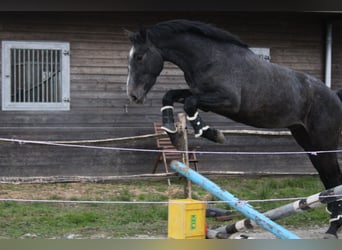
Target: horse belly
<point x="264" y="121"/>
<point x="271" y="115"/>
<point x="274" y="102"/>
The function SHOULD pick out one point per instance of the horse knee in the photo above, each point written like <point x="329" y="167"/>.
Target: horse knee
<point x="168" y="98"/>
<point x="190" y="106"/>
<point x="175" y="95"/>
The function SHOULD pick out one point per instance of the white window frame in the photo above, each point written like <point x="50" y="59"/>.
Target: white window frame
<point x="263" y="53"/>
<point x="63" y="103"/>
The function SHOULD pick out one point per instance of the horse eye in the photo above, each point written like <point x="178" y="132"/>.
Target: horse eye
<point x="139" y="57"/>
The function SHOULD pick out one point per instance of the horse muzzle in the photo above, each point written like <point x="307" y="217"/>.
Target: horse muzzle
<point x="137" y="96"/>
<point x="137" y="93"/>
<point x="136" y="99"/>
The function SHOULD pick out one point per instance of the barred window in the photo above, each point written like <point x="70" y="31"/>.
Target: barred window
<point x="35" y="75"/>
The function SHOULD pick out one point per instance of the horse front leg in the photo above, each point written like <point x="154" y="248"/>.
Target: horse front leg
<point x="172" y="96"/>
<point x="191" y="105"/>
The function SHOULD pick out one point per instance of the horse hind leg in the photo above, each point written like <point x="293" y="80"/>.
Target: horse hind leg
<point x="200" y="127"/>
<point x="333" y="177"/>
<point x="328" y="168"/>
<point x="330" y="175"/>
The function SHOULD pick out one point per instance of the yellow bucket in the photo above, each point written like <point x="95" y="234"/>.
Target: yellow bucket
<point x="186" y="219"/>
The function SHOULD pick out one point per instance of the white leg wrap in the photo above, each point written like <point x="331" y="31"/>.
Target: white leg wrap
<point x="193" y="117"/>
<point x="166" y="107"/>
<point x="205" y="128"/>
<point x="200" y="132"/>
<point x="169" y="130"/>
<point x="336" y="218"/>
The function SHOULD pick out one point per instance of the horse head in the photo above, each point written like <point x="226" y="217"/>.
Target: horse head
<point x="144" y="66"/>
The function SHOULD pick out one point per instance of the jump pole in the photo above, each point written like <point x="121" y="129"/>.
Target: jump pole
<point x="300" y="205"/>
<point x="233" y="202"/>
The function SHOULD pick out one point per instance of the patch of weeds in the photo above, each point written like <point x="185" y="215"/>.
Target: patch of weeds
<point x="55" y="197"/>
<point x="123" y="195"/>
<point x="82" y="218"/>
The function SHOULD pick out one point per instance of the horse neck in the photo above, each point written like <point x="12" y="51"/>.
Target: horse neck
<point x="185" y="51"/>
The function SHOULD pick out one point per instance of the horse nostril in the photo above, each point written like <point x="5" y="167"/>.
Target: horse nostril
<point x="134" y="98"/>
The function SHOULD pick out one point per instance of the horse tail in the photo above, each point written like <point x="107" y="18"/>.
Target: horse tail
<point x="339" y="94"/>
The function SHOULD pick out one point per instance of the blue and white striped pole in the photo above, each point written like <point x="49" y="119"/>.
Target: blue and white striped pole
<point x="233" y="202"/>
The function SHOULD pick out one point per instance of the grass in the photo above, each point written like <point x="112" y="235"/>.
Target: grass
<point x="59" y="220"/>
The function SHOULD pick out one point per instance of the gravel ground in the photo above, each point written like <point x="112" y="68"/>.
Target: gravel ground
<point x="303" y="233"/>
<point x="259" y="233"/>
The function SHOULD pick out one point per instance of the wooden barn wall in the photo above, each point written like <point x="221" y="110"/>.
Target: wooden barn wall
<point x="99" y="106"/>
<point x="336" y="70"/>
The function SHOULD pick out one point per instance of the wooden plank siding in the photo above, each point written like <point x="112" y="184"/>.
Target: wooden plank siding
<point x="337" y="55"/>
<point x="100" y="108"/>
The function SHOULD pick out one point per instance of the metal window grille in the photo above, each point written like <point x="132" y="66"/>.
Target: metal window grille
<point x="35" y="76"/>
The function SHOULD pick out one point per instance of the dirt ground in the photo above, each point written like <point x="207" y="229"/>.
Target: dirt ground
<point x="257" y="233"/>
<point x="303" y="233"/>
<point x="308" y="233"/>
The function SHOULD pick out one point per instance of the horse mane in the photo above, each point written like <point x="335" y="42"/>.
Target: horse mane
<point x="169" y="28"/>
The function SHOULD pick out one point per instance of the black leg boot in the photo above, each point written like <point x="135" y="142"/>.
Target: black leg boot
<point x="335" y="211"/>
<point x="201" y="129"/>
<point x="169" y="124"/>
<point x="168" y="120"/>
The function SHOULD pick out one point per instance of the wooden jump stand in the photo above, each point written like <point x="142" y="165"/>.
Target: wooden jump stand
<point x="183" y="146"/>
<point x="170" y="153"/>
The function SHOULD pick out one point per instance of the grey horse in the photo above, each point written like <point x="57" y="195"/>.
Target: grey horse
<point x="225" y="77"/>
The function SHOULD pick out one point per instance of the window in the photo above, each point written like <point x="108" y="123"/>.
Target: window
<point x="263" y="53"/>
<point x="35" y="75"/>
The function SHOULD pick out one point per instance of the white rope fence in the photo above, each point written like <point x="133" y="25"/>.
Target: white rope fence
<point x="78" y="144"/>
<point x="49" y="143"/>
<point x="155" y="202"/>
<point x="251" y="132"/>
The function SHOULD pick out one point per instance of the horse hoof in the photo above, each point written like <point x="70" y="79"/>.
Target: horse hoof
<point x="214" y="135"/>
<point x="220" y="137"/>
<point x="328" y="236"/>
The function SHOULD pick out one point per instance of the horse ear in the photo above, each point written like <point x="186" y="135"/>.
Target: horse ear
<point x="143" y="34"/>
<point x="140" y="37"/>
<point x="129" y="34"/>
